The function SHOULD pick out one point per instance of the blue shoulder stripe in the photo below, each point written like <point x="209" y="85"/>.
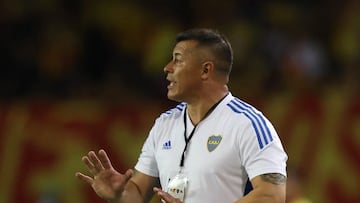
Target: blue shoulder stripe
<point x="259" y="116"/>
<point x="179" y="107"/>
<point x="262" y="131"/>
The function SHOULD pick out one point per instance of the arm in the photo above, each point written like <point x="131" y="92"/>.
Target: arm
<point x="269" y="188"/>
<point x="114" y="186"/>
<point x="140" y="185"/>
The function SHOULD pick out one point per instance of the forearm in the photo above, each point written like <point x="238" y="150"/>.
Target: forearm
<point x="131" y="194"/>
<point x="260" y="196"/>
<point x="267" y="188"/>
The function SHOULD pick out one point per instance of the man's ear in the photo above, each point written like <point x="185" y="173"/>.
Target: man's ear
<point x="208" y="67"/>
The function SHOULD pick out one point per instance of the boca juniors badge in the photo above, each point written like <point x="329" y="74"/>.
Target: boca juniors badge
<point x="213" y="141"/>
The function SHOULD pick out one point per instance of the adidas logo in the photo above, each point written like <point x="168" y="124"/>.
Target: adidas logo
<point x="167" y="145"/>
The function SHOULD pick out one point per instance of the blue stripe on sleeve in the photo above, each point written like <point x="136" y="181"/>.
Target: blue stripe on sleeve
<point x="253" y="116"/>
<point x="259" y="124"/>
<point x="258" y="115"/>
<point x="235" y="109"/>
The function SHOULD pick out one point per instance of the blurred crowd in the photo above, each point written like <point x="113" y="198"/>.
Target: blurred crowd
<point x="116" y="49"/>
<point x="113" y="49"/>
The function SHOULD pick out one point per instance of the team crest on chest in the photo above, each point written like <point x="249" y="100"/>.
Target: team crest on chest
<point x="213" y="141"/>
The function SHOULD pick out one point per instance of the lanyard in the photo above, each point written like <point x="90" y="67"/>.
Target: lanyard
<point x="187" y="139"/>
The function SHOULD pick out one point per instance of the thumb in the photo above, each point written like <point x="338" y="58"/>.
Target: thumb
<point x="120" y="181"/>
<point x="128" y="174"/>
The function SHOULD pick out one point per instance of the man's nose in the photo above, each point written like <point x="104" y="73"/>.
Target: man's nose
<point x="168" y="67"/>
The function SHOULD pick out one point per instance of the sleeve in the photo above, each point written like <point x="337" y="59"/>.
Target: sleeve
<point x="146" y="162"/>
<point x="261" y="150"/>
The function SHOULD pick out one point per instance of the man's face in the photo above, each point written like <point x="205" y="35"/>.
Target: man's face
<point x="184" y="72"/>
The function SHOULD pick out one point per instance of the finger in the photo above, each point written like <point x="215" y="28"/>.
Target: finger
<point x="166" y="196"/>
<point x="163" y="195"/>
<point x="104" y="159"/>
<point x="95" y="160"/>
<point x="84" y="178"/>
<point x="156" y="189"/>
<point x="90" y="166"/>
<point x="158" y="192"/>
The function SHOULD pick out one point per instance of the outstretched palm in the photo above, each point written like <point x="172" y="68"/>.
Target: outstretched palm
<point x="106" y="181"/>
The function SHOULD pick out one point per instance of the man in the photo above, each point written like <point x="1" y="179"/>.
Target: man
<point x="207" y="147"/>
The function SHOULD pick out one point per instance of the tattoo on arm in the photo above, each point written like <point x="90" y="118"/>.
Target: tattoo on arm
<point x="274" y="178"/>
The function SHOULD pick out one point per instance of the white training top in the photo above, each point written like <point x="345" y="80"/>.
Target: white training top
<point x="232" y="144"/>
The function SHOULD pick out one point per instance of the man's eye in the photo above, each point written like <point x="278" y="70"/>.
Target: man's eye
<point x="177" y="60"/>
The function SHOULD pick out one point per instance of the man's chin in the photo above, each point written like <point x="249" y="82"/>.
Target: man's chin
<point x="173" y="97"/>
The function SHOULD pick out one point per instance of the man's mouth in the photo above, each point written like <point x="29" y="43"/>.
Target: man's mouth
<point x="171" y="84"/>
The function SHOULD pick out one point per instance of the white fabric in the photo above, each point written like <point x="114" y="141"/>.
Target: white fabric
<point x="216" y="174"/>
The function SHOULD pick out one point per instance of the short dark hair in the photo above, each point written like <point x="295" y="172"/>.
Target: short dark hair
<point x="217" y="42"/>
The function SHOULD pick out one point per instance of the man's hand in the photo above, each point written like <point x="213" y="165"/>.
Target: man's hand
<point x="106" y="181"/>
<point x="165" y="197"/>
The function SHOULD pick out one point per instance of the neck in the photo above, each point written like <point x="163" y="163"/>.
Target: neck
<point x="197" y="111"/>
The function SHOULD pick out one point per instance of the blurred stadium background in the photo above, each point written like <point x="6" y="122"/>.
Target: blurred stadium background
<point x="83" y="75"/>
